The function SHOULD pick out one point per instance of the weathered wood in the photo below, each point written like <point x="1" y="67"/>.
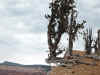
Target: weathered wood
<point x="86" y="63"/>
<point x="95" y="57"/>
<point x="98" y="42"/>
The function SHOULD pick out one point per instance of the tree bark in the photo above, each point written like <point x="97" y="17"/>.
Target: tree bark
<point x="70" y="44"/>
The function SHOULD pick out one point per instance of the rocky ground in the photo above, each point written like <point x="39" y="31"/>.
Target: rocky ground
<point x="78" y="69"/>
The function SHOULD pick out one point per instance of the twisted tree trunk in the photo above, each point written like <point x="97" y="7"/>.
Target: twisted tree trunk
<point x="70" y="44"/>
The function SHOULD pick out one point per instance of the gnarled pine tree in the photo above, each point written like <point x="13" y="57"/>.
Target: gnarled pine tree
<point x="62" y="20"/>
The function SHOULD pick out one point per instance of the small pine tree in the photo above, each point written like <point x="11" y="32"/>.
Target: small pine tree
<point x="88" y="38"/>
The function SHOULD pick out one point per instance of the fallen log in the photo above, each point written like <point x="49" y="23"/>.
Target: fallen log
<point x="86" y="63"/>
<point x="96" y="57"/>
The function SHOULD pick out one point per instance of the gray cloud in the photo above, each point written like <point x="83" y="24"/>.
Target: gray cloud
<point x="30" y="13"/>
<point x="23" y="27"/>
<point x="21" y="24"/>
<point x="90" y="11"/>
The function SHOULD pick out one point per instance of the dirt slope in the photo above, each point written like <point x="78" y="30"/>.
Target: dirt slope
<point x="80" y="69"/>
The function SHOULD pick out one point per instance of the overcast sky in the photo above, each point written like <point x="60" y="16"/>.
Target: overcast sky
<point x="23" y="28"/>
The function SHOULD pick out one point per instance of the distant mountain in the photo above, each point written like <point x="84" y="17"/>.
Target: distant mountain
<point x="44" y="67"/>
<point x="10" y="64"/>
